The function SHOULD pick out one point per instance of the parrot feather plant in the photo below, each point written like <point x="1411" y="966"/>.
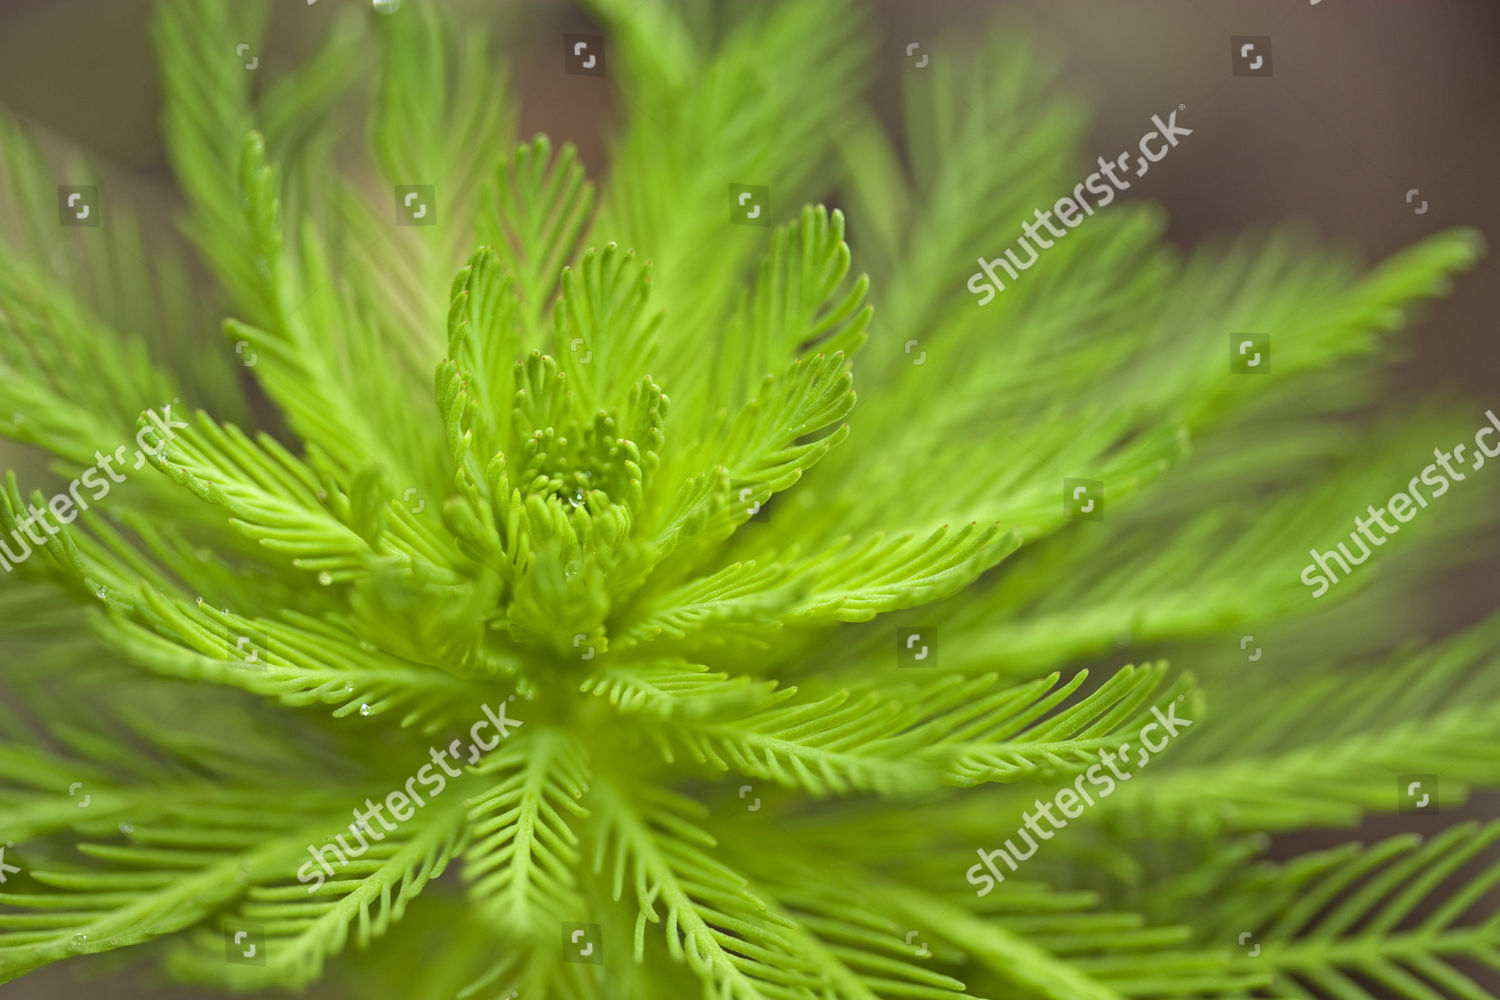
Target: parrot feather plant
<point x="744" y="676"/>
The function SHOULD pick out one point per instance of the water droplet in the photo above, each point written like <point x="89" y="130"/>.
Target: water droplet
<point x="386" y="6"/>
<point x="325" y="578"/>
<point x="368" y="647"/>
<point x="79" y="940"/>
<point x="102" y="593"/>
<point x="127" y="828"/>
<point x="364" y="709"/>
<point x="576" y="499"/>
<point x="573" y="568"/>
<point x="200" y="602"/>
<point x="347" y="688"/>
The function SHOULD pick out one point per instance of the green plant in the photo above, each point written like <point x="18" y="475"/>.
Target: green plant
<point x="541" y="523"/>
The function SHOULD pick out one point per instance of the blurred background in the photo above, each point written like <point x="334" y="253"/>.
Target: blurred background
<point x="1369" y="99"/>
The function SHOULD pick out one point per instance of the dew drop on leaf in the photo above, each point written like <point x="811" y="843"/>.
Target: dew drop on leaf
<point x="325" y="578"/>
<point x="364" y="709"/>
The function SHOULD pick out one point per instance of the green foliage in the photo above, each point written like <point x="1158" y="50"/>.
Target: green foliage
<point x="600" y="460"/>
